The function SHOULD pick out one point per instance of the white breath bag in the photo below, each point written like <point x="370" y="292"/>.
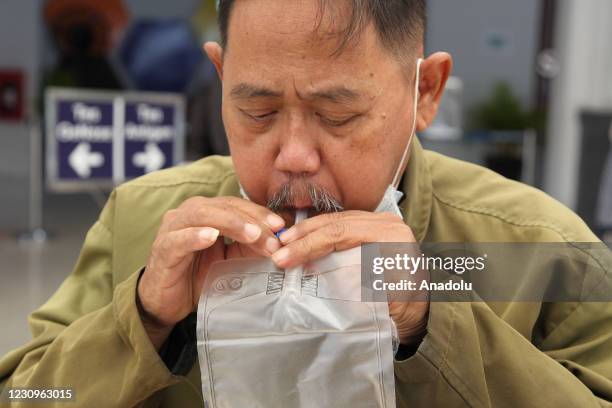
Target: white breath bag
<point x="302" y="337"/>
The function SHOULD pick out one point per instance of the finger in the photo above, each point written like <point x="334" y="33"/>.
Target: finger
<point x="336" y="236"/>
<point x="231" y="222"/>
<point x="176" y="245"/>
<point x="167" y="220"/>
<point x="410" y="319"/>
<point x="264" y="215"/>
<point x="345" y="232"/>
<point x="312" y="224"/>
<point x="192" y="209"/>
<point x="268" y="242"/>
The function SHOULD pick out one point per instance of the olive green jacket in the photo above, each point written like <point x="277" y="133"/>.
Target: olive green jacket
<point x="89" y="337"/>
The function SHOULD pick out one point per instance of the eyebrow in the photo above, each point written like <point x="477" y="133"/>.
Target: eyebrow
<point x="247" y="91"/>
<point x="338" y="94"/>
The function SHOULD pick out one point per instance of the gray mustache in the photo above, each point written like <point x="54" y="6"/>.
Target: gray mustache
<point x="322" y="201"/>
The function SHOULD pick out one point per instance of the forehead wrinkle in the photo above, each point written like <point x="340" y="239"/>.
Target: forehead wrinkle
<point x="247" y="91"/>
<point x="336" y="94"/>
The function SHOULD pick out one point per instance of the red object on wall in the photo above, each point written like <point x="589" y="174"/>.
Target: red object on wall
<point x="12" y="98"/>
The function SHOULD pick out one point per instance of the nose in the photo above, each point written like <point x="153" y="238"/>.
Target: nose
<point x="298" y="152"/>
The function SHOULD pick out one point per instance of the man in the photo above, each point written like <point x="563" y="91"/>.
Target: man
<point x="318" y="108"/>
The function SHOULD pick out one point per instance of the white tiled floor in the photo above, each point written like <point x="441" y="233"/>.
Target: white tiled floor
<point x="30" y="273"/>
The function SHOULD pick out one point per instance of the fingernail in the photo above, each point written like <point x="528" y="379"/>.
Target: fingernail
<point x="272" y="245"/>
<point x="287" y="235"/>
<point x="275" y="221"/>
<point x="281" y="256"/>
<point x="252" y="231"/>
<point x="209" y="234"/>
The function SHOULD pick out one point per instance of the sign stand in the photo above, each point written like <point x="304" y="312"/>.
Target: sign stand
<point x="97" y="139"/>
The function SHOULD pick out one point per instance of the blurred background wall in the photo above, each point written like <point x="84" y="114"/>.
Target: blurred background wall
<point x="490" y="41"/>
<point x="20" y="38"/>
<point x="584" y="84"/>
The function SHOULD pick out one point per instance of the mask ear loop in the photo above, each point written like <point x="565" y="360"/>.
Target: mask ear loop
<point x="396" y="178"/>
<point x="243" y="192"/>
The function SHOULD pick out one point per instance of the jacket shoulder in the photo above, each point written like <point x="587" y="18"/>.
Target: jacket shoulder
<point x="469" y="190"/>
<point x="209" y="170"/>
<point x="150" y="196"/>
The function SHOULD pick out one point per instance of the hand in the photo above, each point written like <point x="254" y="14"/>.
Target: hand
<point x="321" y="235"/>
<point x="187" y="244"/>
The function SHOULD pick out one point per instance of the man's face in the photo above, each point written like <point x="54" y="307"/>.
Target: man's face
<point x="296" y="113"/>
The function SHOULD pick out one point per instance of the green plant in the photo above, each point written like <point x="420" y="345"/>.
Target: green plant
<point x="503" y="111"/>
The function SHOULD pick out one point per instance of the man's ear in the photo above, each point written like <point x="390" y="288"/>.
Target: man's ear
<point x="215" y="54"/>
<point x="435" y="71"/>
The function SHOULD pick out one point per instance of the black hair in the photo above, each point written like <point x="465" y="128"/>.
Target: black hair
<point x="400" y="24"/>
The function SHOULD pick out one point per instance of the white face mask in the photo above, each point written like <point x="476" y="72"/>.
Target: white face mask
<point x="392" y="196"/>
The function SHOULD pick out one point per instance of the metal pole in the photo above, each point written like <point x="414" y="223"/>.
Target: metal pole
<point x="35" y="232"/>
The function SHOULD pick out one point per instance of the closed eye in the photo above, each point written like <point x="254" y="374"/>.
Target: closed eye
<point x="336" y="122"/>
<point x="260" y="117"/>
